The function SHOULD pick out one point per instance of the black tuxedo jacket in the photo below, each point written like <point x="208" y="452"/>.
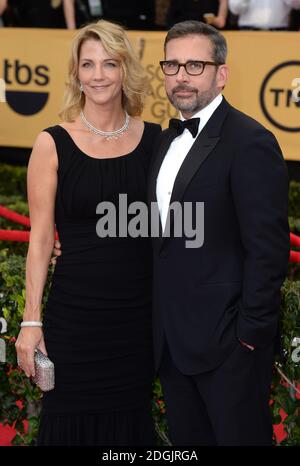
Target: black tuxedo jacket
<point x="206" y="298"/>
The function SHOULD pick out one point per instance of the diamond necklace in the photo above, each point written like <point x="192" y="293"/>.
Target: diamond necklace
<point x="106" y="134"/>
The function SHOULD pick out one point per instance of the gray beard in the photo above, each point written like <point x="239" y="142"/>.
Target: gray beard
<point x="193" y="104"/>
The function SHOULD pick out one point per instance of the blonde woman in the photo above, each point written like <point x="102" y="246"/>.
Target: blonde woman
<point x="97" y="322"/>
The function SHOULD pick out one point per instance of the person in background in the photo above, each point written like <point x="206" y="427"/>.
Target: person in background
<point x="133" y="14"/>
<point x="213" y="12"/>
<point x="58" y="20"/>
<point x="295" y="20"/>
<point x="270" y="15"/>
<point x="3" y="6"/>
<point x="161" y="10"/>
<point x="79" y="12"/>
<point x="35" y="13"/>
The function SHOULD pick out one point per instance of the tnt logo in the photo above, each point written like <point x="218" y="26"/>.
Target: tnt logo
<point x="3" y="327"/>
<point x="280" y="96"/>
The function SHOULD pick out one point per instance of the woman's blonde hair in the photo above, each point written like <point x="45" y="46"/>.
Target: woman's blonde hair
<point x="116" y="43"/>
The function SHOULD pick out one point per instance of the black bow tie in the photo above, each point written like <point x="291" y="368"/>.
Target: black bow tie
<point x="192" y="125"/>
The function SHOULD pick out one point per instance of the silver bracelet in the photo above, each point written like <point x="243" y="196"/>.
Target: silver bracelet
<point x="31" y="323"/>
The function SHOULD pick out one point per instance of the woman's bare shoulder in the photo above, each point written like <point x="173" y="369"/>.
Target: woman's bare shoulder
<point x="44" y="148"/>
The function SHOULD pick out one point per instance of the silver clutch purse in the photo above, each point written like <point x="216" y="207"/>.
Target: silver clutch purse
<point x="44" y="371"/>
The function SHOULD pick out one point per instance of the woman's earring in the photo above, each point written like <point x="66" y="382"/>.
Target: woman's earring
<point x="81" y="88"/>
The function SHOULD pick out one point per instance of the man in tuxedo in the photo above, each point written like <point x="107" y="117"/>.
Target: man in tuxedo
<point x="216" y="307"/>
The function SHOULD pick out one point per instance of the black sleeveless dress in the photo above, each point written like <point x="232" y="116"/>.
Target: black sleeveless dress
<point x="97" y="320"/>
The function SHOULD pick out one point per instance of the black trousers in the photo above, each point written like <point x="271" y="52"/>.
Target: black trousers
<point x="228" y="406"/>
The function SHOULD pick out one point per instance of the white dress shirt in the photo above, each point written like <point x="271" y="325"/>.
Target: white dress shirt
<point x="263" y="14"/>
<point x="175" y="156"/>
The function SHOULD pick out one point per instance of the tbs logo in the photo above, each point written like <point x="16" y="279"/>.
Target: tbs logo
<point x="24" y="101"/>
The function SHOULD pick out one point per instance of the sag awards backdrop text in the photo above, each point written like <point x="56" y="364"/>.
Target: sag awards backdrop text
<point x="264" y="81"/>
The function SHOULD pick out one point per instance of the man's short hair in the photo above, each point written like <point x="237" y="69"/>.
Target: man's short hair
<point x="187" y="28"/>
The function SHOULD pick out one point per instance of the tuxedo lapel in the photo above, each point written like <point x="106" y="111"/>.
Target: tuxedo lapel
<point x="198" y="153"/>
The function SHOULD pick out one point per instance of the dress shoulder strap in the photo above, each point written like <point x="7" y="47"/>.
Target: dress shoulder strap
<point x="62" y="142"/>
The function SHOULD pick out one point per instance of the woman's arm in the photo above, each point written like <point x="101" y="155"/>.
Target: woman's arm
<point x="69" y="12"/>
<point x="3" y="6"/>
<point x="222" y="14"/>
<point x="219" y="21"/>
<point x="41" y="186"/>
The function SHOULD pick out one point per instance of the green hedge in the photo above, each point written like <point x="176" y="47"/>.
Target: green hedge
<point x="13" y="180"/>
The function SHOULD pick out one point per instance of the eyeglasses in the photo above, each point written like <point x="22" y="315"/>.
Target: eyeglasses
<point x="193" y="68"/>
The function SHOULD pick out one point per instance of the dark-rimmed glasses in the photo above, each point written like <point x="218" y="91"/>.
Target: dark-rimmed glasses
<point x="193" y="68"/>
